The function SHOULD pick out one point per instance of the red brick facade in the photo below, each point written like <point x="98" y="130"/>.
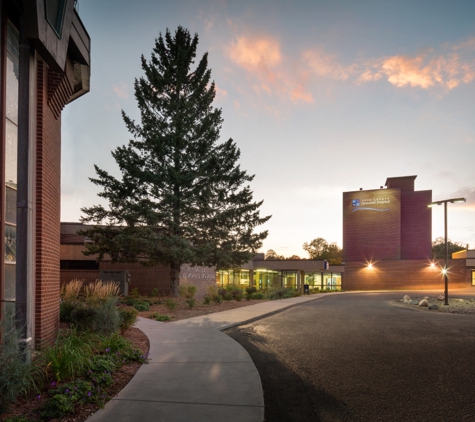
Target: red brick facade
<point x="403" y="275"/>
<point x="48" y="206"/>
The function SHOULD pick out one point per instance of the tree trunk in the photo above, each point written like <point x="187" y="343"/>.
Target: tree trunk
<point x="175" y="278"/>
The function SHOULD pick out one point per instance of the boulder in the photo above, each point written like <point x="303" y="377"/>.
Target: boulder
<point x="424" y="303"/>
<point x="433" y="307"/>
<point x="441" y="297"/>
<point x="425" y="297"/>
<point x="414" y="302"/>
<point x="406" y="297"/>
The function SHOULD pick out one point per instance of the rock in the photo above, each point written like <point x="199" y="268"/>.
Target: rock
<point x="406" y="297"/>
<point x="414" y="302"/>
<point x="433" y="307"/>
<point x="460" y="300"/>
<point x="424" y="303"/>
<point x="441" y="297"/>
<point x="472" y="300"/>
<point x="425" y="297"/>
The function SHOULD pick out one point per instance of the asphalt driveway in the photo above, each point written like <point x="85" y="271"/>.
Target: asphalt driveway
<point x="356" y="357"/>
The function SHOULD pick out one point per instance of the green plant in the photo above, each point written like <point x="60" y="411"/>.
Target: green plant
<point x="217" y="298"/>
<point x="162" y="318"/>
<point x="17" y="375"/>
<point x="228" y="296"/>
<point x="83" y="317"/>
<point x="101" y="291"/>
<point x="154" y="292"/>
<point x="250" y="290"/>
<point x="66" y="308"/>
<point x="171" y="304"/>
<point x="57" y="406"/>
<point x="206" y="300"/>
<point x="257" y="295"/>
<point x="237" y="294"/>
<point x="187" y="291"/>
<point x="69" y="356"/>
<point x="107" y="319"/>
<point x="134" y="293"/>
<point x="128" y="316"/>
<point x="141" y="306"/>
<point x="19" y="418"/>
<point x="191" y="302"/>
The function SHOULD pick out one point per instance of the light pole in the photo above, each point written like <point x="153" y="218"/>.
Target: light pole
<point x="444" y="271"/>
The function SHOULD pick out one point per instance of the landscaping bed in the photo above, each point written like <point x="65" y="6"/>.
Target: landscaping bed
<point x="437" y="304"/>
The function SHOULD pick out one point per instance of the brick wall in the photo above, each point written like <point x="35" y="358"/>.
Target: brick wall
<point x="402" y="275"/>
<point x="145" y="279"/>
<point x="89" y="276"/>
<point x="48" y="195"/>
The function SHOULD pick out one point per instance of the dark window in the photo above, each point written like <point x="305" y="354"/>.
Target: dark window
<point x="78" y="265"/>
<point x="55" y="14"/>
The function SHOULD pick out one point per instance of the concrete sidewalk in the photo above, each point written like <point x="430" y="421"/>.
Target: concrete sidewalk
<point x="196" y="373"/>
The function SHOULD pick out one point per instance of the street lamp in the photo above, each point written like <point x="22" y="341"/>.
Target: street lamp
<point x="444" y="271"/>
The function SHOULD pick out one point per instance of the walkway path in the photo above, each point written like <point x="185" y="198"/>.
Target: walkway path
<point x="196" y="373"/>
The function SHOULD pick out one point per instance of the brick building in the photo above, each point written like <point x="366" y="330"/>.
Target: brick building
<point x="387" y="236"/>
<point x="45" y="59"/>
<point x="74" y="264"/>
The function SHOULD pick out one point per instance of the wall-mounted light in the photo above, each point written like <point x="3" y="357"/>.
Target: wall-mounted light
<point x="432" y="264"/>
<point x="370" y="265"/>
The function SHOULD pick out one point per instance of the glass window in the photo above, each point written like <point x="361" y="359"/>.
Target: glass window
<point x="54" y="14"/>
<point x="10" y="285"/>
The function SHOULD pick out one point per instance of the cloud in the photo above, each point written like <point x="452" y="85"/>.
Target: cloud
<point x="467" y="192"/>
<point x="447" y="67"/>
<point x="121" y="90"/>
<point x="220" y="93"/>
<point x="268" y="73"/>
<point x="327" y="65"/>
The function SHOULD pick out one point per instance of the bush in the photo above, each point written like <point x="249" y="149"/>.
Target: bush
<point x="101" y="291"/>
<point x="156" y="316"/>
<point x="66" y="308"/>
<point x="83" y="317"/>
<point x="141" y="306"/>
<point x="17" y="375"/>
<point x="191" y="302"/>
<point x="171" y="304"/>
<point x="228" y="296"/>
<point x="69" y="356"/>
<point x="107" y="319"/>
<point x="217" y="298"/>
<point x="250" y="290"/>
<point x="237" y="294"/>
<point x="206" y="300"/>
<point x="134" y="293"/>
<point x="257" y="295"/>
<point x="187" y="291"/>
<point x="128" y="316"/>
<point x="154" y="292"/>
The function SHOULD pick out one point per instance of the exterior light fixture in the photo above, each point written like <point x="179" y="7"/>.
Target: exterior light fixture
<point x="444" y="271"/>
<point x="370" y="265"/>
<point x="432" y="264"/>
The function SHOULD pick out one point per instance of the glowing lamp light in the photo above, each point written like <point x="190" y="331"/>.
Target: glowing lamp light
<point x="432" y="264"/>
<point x="444" y="271"/>
<point x="370" y="265"/>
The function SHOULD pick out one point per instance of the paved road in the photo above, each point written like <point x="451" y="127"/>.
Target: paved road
<point x="356" y="357"/>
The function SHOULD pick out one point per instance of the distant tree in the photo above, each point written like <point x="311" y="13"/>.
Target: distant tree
<point x="293" y="257"/>
<point x="272" y="255"/>
<point x="319" y="248"/>
<point x="438" y="248"/>
<point x="182" y="197"/>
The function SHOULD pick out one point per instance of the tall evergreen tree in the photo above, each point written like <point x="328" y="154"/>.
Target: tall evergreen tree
<point x="182" y="198"/>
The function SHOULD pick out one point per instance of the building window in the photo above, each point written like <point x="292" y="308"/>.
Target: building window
<point x="55" y="14"/>
<point x="78" y="265"/>
<point x="10" y="163"/>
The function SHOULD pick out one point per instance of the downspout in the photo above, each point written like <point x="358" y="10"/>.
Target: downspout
<point x="24" y="296"/>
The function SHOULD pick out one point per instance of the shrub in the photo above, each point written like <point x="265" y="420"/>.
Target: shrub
<point x="70" y="291"/>
<point x="187" y="291"/>
<point x="217" y="298"/>
<point x="250" y="290"/>
<point x="107" y="319"/>
<point x="69" y="356"/>
<point x="206" y="300"/>
<point x="228" y="296"/>
<point x="154" y="292"/>
<point x="134" y="293"/>
<point x="128" y="316"/>
<point x="257" y="295"/>
<point x="17" y="375"/>
<point x="141" y="306"/>
<point x="237" y="294"/>
<point x="100" y="291"/>
<point x="156" y="316"/>
<point x="66" y="308"/>
<point x="83" y="317"/>
<point x="222" y="293"/>
<point x="171" y="304"/>
<point x="191" y="302"/>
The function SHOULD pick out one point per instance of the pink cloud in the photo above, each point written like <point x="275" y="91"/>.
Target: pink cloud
<point x="261" y="57"/>
<point x="447" y="67"/>
<point x="324" y="64"/>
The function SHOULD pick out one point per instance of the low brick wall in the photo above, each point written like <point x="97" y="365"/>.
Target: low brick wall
<point x="403" y="275"/>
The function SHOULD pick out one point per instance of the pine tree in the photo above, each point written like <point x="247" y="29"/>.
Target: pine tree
<point x="182" y="198"/>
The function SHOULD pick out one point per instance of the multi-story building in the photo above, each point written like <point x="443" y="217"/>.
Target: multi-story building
<point x="387" y="236"/>
<point x="44" y="65"/>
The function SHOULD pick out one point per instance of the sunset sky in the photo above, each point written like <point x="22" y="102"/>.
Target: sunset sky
<point x="322" y="97"/>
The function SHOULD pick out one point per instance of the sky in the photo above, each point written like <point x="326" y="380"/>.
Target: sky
<point x="321" y="97"/>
